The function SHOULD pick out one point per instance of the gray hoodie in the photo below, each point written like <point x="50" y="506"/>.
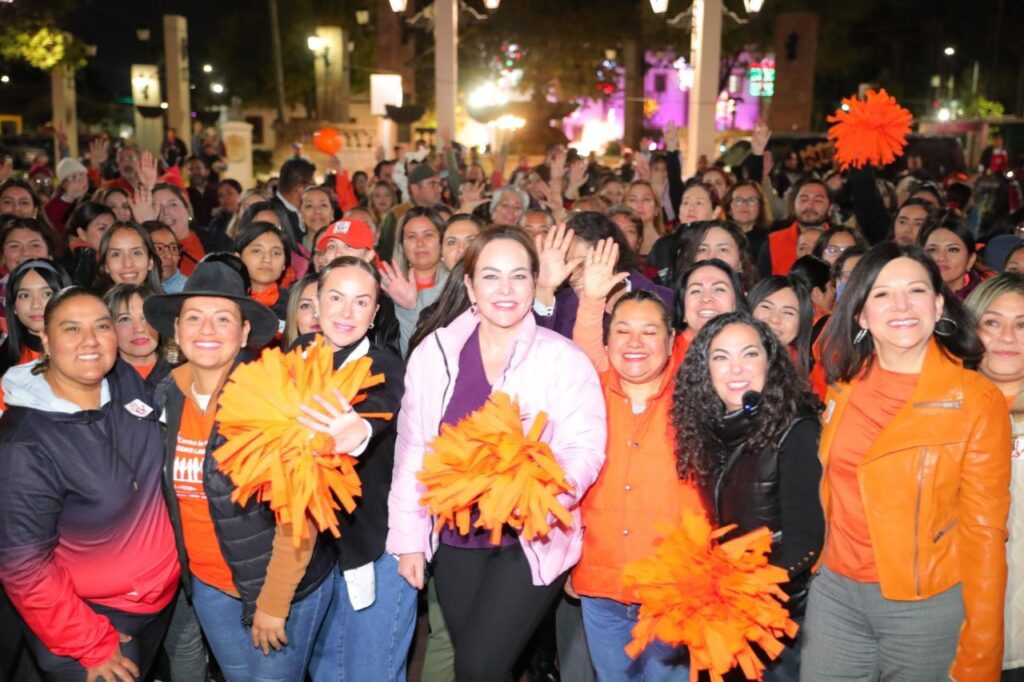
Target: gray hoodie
<point x="24" y="389"/>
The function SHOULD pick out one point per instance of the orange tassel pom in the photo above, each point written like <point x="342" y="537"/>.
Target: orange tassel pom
<point x="487" y="463"/>
<point x="715" y="598"/>
<point x="871" y="131"/>
<point x="267" y="453"/>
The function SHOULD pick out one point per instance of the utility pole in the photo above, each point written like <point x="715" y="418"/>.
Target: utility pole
<point x="275" y="47"/>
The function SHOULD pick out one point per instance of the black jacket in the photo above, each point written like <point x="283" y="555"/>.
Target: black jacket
<point x="245" y="534"/>
<point x="364" y="531"/>
<point x="777" y="488"/>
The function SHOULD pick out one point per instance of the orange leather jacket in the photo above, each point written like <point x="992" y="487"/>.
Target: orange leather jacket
<point x="935" y="488"/>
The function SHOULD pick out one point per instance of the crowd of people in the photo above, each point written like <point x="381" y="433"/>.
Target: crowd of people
<point x="838" y="357"/>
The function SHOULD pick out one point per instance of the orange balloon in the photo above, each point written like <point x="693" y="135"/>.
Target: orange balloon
<point x="327" y="140"/>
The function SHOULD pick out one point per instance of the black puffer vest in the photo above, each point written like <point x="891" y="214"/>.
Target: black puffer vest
<point x="245" y="534"/>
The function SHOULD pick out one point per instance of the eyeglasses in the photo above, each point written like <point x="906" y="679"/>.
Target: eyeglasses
<point x="172" y="249"/>
<point x="833" y="250"/>
<point x="745" y="201"/>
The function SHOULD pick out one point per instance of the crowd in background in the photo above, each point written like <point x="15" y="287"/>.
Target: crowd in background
<point x="838" y="356"/>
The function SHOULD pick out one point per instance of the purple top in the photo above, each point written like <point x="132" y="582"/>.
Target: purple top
<point x="471" y="392"/>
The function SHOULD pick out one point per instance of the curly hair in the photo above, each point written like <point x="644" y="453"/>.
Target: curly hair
<point x="696" y="406"/>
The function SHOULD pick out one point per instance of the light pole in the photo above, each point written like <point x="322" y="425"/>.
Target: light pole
<point x="705" y="56"/>
<point x="446" y="58"/>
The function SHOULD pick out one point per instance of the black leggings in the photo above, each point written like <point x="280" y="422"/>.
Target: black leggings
<point x="491" y="607"/>
<point x="146" y="630"/>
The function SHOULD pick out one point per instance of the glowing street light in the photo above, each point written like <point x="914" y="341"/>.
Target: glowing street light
<point x="492" y="4"/>
<point x="5" y="79"/>
<point x="397" y="5"/>
<point x="949" y="51"/>
<point x="217" y="88"/>
<point x="753" y="6"/>
<point x="659" y="6"/>
<point x="316" y="44"/>
<point x="207" y="68"/>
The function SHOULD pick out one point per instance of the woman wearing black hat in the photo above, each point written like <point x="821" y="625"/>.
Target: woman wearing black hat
<point x="259" y="601"/>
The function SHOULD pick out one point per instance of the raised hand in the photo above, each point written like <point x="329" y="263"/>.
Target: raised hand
<point x="671" y="136"/>
<point x="471" y="195"/>
<point x="399" y="286"/>
<point x="98" y="152"/>
<point x="759" y="138"/>
<point x="141" y="204"/>
<point x="555" y="264"/>
<point x="334" y="162"/>
<point x="599" y="276"/>
<point x="6" y="168"/>
<point x="147" y="169"/>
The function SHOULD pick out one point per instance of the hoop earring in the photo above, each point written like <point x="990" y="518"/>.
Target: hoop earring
<point x="860" y="336"/>
<point x="948" y="320"/>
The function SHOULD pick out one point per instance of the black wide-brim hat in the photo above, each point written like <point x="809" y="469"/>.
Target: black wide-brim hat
<point x="216" y="280"/>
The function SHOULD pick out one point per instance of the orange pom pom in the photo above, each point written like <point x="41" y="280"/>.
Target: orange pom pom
<point x="871" y="131"/>
<point x="714" y="598"/>
<point x="267" y="453"/>
<point x="487" y="463"/>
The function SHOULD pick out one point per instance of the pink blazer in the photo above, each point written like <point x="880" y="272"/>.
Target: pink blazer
<point x="546" y="372"/>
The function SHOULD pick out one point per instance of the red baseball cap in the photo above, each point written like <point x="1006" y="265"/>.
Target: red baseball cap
<point x="353" y="233"/>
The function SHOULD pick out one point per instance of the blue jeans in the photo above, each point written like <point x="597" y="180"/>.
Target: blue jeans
<point x="372" y="643"/>
<point x="608" y="625"/>
<point x="220" y="616"/>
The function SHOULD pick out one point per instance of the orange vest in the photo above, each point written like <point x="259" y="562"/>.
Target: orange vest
<point x="637" y="488"/>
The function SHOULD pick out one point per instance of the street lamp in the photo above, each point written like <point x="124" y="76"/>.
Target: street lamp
<point x="397" y="5"/>
<point x="492" y="4"/>
<point x="207" y="68"/>
<point x="753" y="6"/>
<point x="320" y="48"/>
<point x="362" y="17"/>
<point x="217" y="88"/>
<point x="5" y="79"/>
<point x="949" y="51"/>
<point x="659" y="6"/>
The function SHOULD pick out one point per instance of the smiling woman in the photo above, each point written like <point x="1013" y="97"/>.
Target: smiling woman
<point x="998" y="305"/>
<point x="84" y="524"/>
<point x="915" y="449"/>
<point x="259" y="599"/>
<point x="495" y="345"/>
<point x="127" y="255"/>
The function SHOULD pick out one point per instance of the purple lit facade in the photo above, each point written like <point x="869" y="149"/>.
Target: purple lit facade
<point x="666" y="101"/>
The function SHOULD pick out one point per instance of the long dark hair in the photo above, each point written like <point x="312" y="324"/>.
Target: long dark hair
<point x="844" y="360"/>
<point x="103" y="280"/>
<point x="696" y="405"/>
<point x="452" y="302"/>
<point x="18" y="335"/>
<point x="801" y="345"/>
<point x="679" y="321"/>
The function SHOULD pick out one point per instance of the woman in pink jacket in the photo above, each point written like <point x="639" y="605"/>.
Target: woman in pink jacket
<point x="493" y="597"/>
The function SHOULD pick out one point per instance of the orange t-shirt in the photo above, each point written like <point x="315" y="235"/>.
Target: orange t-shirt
<point x="204" y="556"/>
<point x="144" y="370"/>
<point x="876" y="399"/>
